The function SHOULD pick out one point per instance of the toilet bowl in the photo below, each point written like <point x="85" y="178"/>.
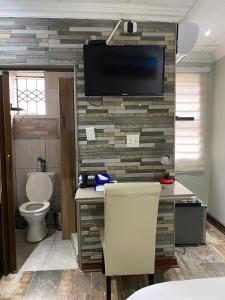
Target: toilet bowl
<point x="39" y="190"/>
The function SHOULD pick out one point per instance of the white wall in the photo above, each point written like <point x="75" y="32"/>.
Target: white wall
<point x="199" y="182"/>
<point x="217" y="181"/>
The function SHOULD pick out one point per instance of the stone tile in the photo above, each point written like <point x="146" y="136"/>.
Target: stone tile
<point x="36" y="128"/>
<point x="23" y="251"/>
<point x="53" y="153"/>
<point x="52" y="103"/>
<point x="61" y="256"/>
<point x="52" y="232"/>
<point x="57" y="41"/>
<point x="37" y="259"/>
<point x="21" y="235"/>
<point x="58" y="235"/>
<point x="27" y="152"/>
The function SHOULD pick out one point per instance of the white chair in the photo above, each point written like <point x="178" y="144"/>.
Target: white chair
<point x="129" y="235"/>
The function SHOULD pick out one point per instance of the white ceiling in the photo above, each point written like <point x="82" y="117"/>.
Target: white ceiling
<point x="210" y="14"/>
<point x="164" y="10"/>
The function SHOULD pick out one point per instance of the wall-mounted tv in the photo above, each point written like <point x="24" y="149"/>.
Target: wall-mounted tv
<point x="123" y="70"/>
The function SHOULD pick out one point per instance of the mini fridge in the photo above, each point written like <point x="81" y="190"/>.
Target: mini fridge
<point x="190" y="223"/>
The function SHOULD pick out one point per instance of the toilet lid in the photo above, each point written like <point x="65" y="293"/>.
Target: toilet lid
<point x="39" y="187"/>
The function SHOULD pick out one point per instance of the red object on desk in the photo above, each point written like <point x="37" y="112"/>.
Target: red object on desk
<point x="164" y="180"/>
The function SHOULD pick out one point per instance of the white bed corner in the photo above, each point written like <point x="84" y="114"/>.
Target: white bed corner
<point x="194" y="289"/>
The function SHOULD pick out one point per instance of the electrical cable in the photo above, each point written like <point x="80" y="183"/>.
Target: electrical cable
<point x="96" y="105"/>
<point x="181" y="252"/>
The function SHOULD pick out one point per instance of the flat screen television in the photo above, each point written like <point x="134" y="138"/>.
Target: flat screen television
<point x="123" y="70"/>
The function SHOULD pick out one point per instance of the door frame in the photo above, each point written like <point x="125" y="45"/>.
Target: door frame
<point x="68" y="153"/>
<point x="7" y="217"/>
<point x="8" y="232"/>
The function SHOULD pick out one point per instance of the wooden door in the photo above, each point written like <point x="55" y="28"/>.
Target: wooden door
<point x="7" y="217"/>
<point x="67" y="131"/>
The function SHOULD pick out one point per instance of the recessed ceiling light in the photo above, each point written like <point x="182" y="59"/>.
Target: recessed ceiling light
<point x="208" y="32"/>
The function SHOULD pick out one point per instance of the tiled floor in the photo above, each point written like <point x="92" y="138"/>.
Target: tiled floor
<point x="196" y="262"/>
<point x="52" y="253"/>
<point x="23" y="248"/>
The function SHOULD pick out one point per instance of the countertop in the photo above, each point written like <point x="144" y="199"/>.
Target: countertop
<point x="175" y="191"/>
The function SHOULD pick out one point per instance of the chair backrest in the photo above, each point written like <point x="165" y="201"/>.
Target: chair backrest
<point x="131" y="211"/>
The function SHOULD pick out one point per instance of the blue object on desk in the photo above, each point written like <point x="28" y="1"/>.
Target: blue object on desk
<point x="102" y="178"/>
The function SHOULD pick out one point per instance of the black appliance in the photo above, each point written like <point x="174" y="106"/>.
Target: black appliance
<point x="123" y="70"/>
<point x="190" y="223"/>
<point x="86" y="180"/>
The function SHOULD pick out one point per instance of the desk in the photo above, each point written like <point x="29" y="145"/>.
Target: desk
<point x="90" y="218"/>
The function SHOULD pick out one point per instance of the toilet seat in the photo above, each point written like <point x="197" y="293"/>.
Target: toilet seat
<point x="34" y="207"/>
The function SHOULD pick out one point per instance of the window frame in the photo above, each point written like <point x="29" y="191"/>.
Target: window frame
<point x="26" y="113"/>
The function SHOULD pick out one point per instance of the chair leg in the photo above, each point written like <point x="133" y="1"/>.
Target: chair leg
<point x="103" y="264"/>
<point x="151" y="278"/>
<point x="108" y="288"/>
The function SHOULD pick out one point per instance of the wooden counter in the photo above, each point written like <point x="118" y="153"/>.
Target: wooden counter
<point x="90" y="218"/>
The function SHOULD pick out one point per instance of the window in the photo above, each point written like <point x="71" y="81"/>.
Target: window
<point x="31" y="95"/>
<point x="189" y="137"/>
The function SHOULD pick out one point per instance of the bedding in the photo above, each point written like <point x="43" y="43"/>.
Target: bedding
<point x="194" y="289"/>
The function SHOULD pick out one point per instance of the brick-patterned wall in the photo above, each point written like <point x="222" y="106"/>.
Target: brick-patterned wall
<point x="92" y="220"/>
<point x="60" y="42"/>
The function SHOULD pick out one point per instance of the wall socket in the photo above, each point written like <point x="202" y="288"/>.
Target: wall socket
<point x="133" y="140"/>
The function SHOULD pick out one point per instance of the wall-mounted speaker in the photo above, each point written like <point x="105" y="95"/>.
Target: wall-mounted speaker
<point x="187" y="35"/>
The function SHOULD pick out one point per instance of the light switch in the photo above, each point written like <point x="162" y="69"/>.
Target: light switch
<point x="90" y="133"/>
<point x="133" y="140"/>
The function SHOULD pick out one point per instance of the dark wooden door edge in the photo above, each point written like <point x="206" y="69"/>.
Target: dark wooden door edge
<point x="8" y="247"/>
<point x="67" y="132"/>
<point x="216" y="223"/>
<point x="163" y="262"/>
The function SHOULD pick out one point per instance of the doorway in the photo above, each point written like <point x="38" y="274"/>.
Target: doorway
<point x="36" y="129"/>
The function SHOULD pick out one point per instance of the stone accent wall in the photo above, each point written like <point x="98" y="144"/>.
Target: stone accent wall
<point x="92" y="220"/>
<point x="60" y="42"/>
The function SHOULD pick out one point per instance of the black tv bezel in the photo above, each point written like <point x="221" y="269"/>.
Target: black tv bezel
<point x="126" y="94"/>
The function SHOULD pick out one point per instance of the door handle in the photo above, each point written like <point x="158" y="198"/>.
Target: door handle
<point x="0" y="191"/>
<point x="9" y="169"/>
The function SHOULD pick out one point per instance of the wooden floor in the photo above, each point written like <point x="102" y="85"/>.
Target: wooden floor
<point x="197" y="262"/>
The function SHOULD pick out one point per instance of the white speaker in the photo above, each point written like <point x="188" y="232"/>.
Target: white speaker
<point x="187" y="35"/>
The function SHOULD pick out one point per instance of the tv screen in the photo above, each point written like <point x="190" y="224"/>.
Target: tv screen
<point x="123" y="70"/>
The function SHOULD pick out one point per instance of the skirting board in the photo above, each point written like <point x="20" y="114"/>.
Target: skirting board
<point x="216" y="223"/>
<point x="160" y="263"/>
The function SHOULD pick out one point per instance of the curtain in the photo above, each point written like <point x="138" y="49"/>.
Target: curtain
<point x="189" y="138"/>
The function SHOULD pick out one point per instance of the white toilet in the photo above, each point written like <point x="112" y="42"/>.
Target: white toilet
<point x="39" y="190"/>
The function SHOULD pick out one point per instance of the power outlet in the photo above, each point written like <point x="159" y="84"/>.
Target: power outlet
<point x="133" y="140"/>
